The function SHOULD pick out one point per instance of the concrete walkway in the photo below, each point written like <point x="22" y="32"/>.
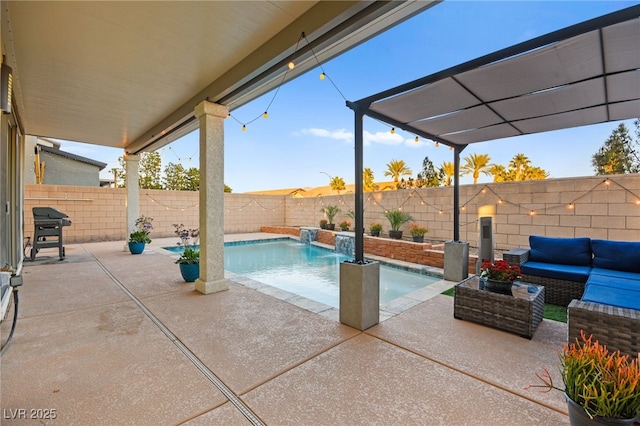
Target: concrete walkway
<point x="108" y="338"/>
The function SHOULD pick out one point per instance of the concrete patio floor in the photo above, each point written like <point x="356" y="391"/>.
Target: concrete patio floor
<point x="108" y="338"/>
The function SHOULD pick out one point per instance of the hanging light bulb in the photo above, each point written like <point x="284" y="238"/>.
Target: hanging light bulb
<point x="450" y="148"/>
<point x="265" y="115"/>
<point x="244" y="127"/>
<point x="228" y="115"/>
<point x="437" y="144"/>
<point x="417" y="139"/>
<point x="291" y="65"/>
<point x="322" y="76"/>
<point x="393" y="130"/>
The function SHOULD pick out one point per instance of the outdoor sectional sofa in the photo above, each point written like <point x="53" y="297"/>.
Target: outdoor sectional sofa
<point x="599" y="280"/>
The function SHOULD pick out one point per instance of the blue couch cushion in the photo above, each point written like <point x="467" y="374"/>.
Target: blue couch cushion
<point x="562" y="251"/>
<point x="559" y="272"/>
<point x="616" y="255"/>
<point x="615" y="282"/>
<point x="615" y="274"/>
<point x="616" y="293"/>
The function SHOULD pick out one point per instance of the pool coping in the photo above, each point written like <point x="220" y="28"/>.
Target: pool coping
<point x="387" y="310"/>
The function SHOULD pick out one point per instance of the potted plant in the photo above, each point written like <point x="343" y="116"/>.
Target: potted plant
<point x="601" y="387"/>
<point x="397" y="218"/>
<point x="417" y="232"/>
<point x="323" y="224"/>
<point x="344" y="225"/>
<point x="330" y="212"/>
<point x="140" y="237"/>
<point x="375" y="229"/>
<point x="189" y="260"/>
<point x="499" y="275"/>
<point x="351" y="214"/>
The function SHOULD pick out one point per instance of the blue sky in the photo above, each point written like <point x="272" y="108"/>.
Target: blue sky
<point x="309" y="132"/>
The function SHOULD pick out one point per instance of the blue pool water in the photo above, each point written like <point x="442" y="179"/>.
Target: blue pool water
<point x="309" y="271"/>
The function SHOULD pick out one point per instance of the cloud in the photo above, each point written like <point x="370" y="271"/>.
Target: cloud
<point x="384" y="138"/>
<point x="340" y="134"/>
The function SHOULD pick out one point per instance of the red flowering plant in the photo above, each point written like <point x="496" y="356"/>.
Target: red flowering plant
<point x="500" y="270"/>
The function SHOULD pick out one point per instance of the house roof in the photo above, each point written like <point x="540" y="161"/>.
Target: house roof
<point x="585" y="74"/>
<point x="60" y="153"/>
<point x="129" y="74"/>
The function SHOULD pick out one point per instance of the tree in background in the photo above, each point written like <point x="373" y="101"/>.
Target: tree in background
<point x="519" y="169"/>
<point x="447" y="170"/>
<point x="429" y="176"/>
<point x="368" y="184"/>
<point x="396" y="169"/>
<point x="150" y="168"/>
<point x="337" y="184"/>
<point x="617" y="155"/>
<point x="475" y="164"/>
<point x="175" y="176"/>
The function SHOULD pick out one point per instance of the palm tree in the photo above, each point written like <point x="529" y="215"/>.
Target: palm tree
<point x="448" y="170"/>
<point x="397" y="168"/>
<point x="499" y="173"/>
<point x="368" y="184"/>
<point x="519" y="163"/>
<point x="475" y="164"/>
<point x="337" y="184"/>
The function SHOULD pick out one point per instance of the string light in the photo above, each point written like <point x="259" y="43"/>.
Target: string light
<point x="393" y="130"/>
<point x="291" y="65"/>
<point x="322" y="76"/>
<point x="532" y="213"/>
<point x="244" y="127"/>
<point x="570" y="206"/>
<point x="265" y="115"/>
<point x="417" y="139"/>
<point x="437" y="144"/>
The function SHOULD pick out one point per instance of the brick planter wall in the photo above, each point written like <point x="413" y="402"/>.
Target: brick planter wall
<point x="407" y="251"/>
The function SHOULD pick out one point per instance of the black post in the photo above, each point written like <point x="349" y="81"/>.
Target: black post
<point x="359" y="219"/>
<point x="456" y="193"/>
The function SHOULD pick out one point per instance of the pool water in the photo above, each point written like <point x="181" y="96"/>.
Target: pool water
<point x="311" y="271"/>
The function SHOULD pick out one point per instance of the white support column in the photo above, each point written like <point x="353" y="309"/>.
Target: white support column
<point x="211" y="117"/>
<point x="132" y="163"/>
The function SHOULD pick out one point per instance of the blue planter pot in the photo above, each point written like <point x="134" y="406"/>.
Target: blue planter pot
<point x="190" y="271"/>
<point x="136" y="248"/>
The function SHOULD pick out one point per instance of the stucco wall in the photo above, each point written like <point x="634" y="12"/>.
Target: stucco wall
<point x="569" y="207"/>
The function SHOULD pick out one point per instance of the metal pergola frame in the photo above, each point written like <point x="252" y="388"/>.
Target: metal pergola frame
<point x="366" y="105"/>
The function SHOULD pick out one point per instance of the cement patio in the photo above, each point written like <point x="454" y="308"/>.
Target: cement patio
<point x="107" y="338"/>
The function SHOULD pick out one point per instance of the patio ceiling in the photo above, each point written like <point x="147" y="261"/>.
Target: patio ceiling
<point x="129" y="74"/>
<point x="585" y="74"/>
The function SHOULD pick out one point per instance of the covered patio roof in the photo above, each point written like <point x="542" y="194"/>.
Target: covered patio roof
<point x="584" y="74"/>
<point x="129" y="74"/>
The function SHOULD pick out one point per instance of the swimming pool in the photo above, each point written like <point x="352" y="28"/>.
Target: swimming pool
<point x="310" y="271"/>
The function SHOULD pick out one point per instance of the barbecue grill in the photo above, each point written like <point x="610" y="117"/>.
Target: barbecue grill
<point x="48" y="223"/>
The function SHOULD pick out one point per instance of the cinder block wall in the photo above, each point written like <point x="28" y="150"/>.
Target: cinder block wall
<point x="99" y="214"/>
<point x="569" y="207"/>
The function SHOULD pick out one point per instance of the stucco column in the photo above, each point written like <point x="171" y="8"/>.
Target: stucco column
<point x="211" y="117"/>
<point x="132" y="165"/>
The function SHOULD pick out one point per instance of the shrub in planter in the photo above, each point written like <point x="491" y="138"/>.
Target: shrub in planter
<point x="375" y="229"/>
<point x="396" y="219"/>
<point x="417" y="232"/>
<point x="344" y="225"/>
<point x="600" y="384"/>
<point x="323" y="224"/>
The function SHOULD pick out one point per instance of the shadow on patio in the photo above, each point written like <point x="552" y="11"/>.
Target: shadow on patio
<point x="105" y="337"/>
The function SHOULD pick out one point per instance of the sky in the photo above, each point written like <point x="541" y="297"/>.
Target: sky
<point x="308" y="135"/>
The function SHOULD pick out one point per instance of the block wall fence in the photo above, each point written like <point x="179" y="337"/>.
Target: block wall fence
<point x="597" y="207"/>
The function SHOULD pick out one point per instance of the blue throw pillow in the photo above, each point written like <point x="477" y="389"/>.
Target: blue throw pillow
<point x="563" y="251"/>
<point x="616" y="255"/>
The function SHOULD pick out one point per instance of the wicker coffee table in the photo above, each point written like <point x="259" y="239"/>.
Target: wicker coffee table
<point x="519" y="312"/>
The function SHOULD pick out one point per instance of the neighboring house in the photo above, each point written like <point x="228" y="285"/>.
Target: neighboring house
<point x="57" y="167"/>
